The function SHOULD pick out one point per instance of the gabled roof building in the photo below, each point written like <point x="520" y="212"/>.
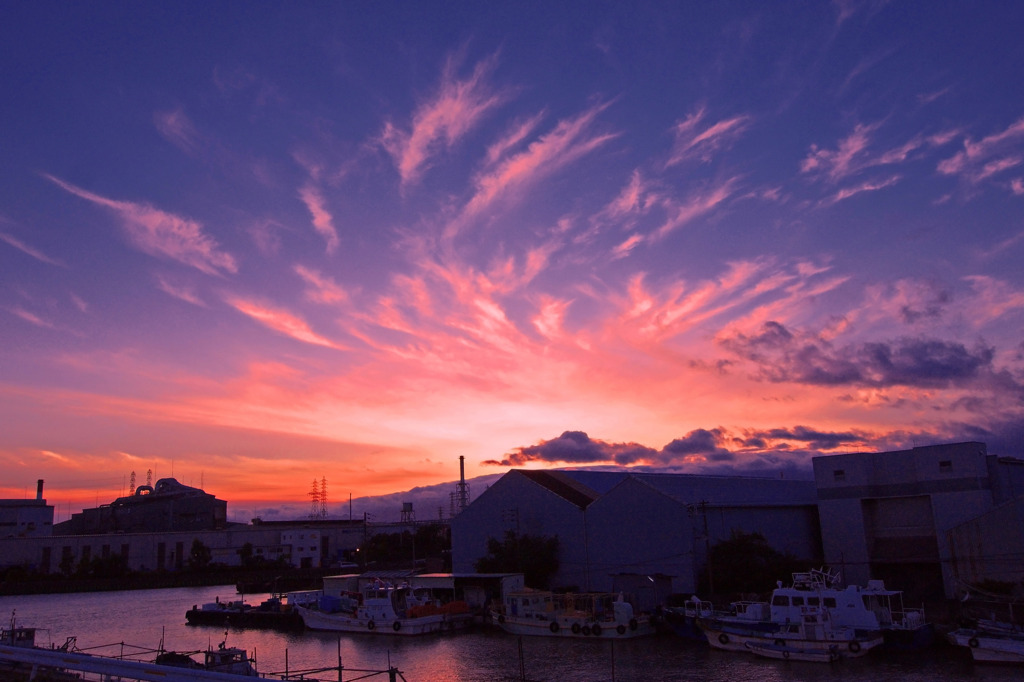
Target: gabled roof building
<point x="614" y="523"/>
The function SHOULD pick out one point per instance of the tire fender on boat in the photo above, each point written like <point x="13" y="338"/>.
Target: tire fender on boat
<point x="854" y="646"/>
<point x="621" y="629"/>
<point x="723" y="638"/>
<point x="397" y="626"/>
<point x="632" y="624"/>
<point x="371" y="625"/>
<point x="785" y="654"/>
<point x="972" y="642"/>
<point x="501" y="618"/>
<point x="553" y="627"/>
<point x="595" y="630"/>
<point x="575" y="628"/>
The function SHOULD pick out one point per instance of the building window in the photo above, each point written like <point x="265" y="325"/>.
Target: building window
<point x="945" y="466"/>
<point x="840" y="474"/>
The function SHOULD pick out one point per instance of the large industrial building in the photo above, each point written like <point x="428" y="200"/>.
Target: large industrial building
<point x="891" y="515"/>
<point x="611" y="524"/>
<point x="165" y="507"/>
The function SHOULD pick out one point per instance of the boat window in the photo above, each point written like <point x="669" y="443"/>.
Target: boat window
<point x="830" y="602"/>
<point x="780" y="600"/>
<point x="798" y="601"/>
<point x="840" y="474"/>
<point x="813" y="601"/>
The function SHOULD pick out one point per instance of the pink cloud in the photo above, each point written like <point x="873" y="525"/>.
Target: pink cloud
<point x="31" y="318"/>
<point x="695" y="141"/>
<point x="162" y="234"/>
<point x="457" y="108"/>
<point x="35" y="253"/>
<point x="566" y="143"/>
<point x="323" y="221"/>
<point x="513" y="139"/>
<point x="681" y="213"/>
<point x="321" y="289"/>
<point x="176" y="127"/>
<point x="183" y="293"/>
<point x="841" y="162"/>
<point x="869" y="186"/>
<point x="282" y="322"/>
<point x="986" y="157"/>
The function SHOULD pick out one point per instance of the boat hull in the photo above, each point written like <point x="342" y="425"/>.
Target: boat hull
<point x="988" y="648"/>
<point x="729" y="638"/>
<point x="581" y="630"/>
<point x="341" y="622"/>
<point x="786" y="653"/>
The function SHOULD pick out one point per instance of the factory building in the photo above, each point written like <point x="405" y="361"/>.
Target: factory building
<point x="890" y="515"/>
<point x="167" y="506"/>
<point x="28" y="518"/>
<point x="614" y="524"/>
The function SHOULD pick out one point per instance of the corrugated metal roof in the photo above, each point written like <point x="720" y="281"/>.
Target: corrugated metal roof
<point x="562" y="485"/>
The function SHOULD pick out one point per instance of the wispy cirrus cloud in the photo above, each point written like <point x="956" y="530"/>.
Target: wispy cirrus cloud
<point x="31" y="251"/>
<point x="162" y="234"/>
<point x="282" y="322"/>
<point x="682" y="212"/>
<point x="696" y="139"/>
<point x="845" y="159"/>
<point x="456" y="108"/>
<point x="323" y="221"/>
<point x="179" y="291"/>
<point x="988" y="156"/>
<point x="321" y="288"/>
<point x="176" y="128"/>
<point x="867" y="186"/>
<point x="30" y="317"/>
<point x="567" y="142"/>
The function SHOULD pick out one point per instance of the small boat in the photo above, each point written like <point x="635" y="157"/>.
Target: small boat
<point x="788" y="653"/>
<point x="380" y="607"/>
<point x="991" y="642"/>
<point x="271" y="613"/>
<point x="537" y="612"/>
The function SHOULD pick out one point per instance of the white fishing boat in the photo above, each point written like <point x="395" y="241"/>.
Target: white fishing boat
<point x="603" y="615"/>
<point x="815" y="614"/>
<point x="991" y="642"/>
<point x="380" y="607"/>
<point x="787" y="653"/>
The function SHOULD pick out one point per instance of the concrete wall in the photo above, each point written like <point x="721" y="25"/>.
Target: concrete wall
<point x="990" y="546"/>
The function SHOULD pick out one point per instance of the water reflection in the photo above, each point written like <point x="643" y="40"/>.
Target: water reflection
<point x="144" y="617"/>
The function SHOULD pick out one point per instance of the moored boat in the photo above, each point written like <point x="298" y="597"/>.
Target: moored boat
<point x="271" y="613"/>
<point x="816" y="609"/>
<point x="380" y="607"/>
<point x="991" y="642"/>
<point x="603" y="615"/>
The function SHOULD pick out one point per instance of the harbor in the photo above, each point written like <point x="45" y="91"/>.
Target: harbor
<point x="149" y="617"/>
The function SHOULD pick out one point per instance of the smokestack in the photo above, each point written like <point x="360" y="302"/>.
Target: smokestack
<point x="462" y="469"/>
<point x="39" y="489"/>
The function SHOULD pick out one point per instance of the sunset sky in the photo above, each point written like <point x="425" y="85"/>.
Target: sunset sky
<point x="253" y="245"/>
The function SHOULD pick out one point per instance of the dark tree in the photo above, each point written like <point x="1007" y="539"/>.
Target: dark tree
<point x="746" y="563"/>
<point x="535" y="556"/>
<point x="199" y="556"/>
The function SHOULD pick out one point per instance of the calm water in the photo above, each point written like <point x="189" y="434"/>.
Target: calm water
<point x="140" y="618"/>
